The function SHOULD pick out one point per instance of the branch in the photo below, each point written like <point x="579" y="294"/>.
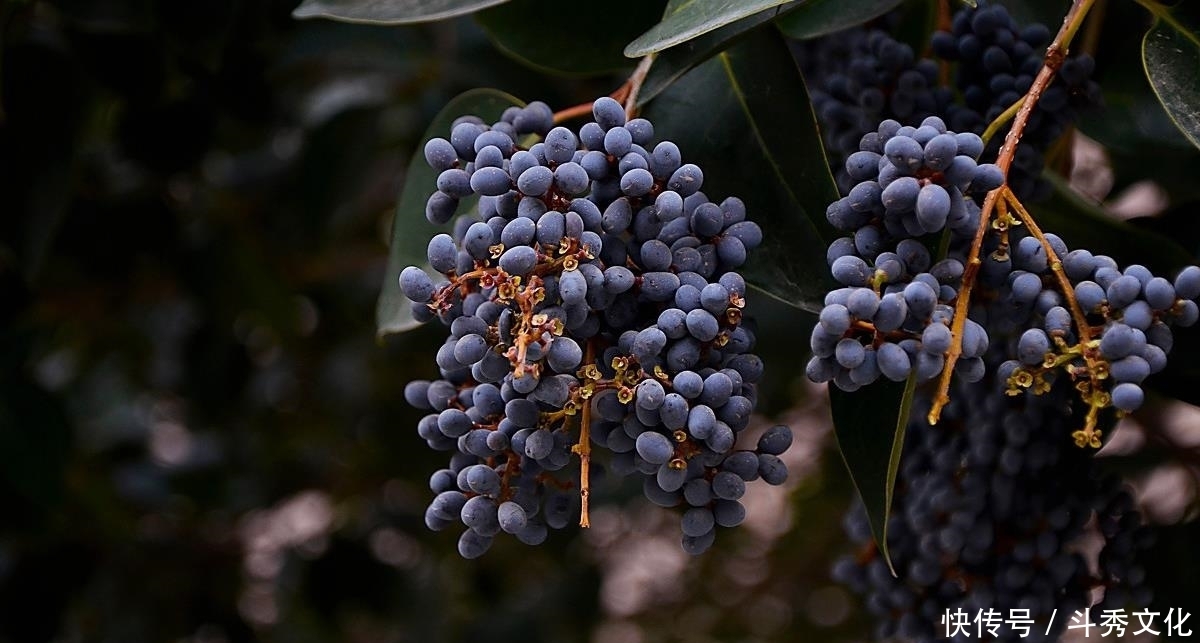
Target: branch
<point x="626" y="94"/>
<point x="1055" y="54"/>
<point x="584" y="447"/>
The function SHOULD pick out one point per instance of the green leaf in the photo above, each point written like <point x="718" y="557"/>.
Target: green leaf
<point x="870" y="424"/>
<point x="670" y="65"/>
<point x="1140" y="139"/>
<point x="687" y="19"/>
<point x="745" y="118"/>
<point x="820" y="17"/>
<point x="389" y="12"/>
<point x="1047" y="13"/>
<point x="1171" y="56"/>
<point x="1132" y="121"/>
<point x="411" y="231"/>
<point x="538" y="33"/>
<point x="1083" y="224"/>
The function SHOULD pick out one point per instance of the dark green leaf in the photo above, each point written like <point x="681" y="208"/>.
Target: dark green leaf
<point x="820" y="17"/>
<point x="540" y="34"/>
<point x="1132" y="120"/>
<point x="915" y="24"/>
<point x="1141" y="141"/>
<point x="1082" y="224"/>
<point x="1171" y="55"/>
<point x="870" y="425"/>
<point x="389" y="12"/>
<point x="1030" y="11"/>
<point x="1173" y="169"/>
<point x="687" y="19"/>
<point x="745" y="118"/>
<point x="673" y="63"/>
<point x="411" y="231"/>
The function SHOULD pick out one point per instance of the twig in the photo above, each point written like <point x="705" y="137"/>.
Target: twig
<point x="962" y="307"/>
<point x="1002" y="120"/>
<point x="570" y="113"/>
<point x="1089" y="434"/>
<point x="584" y="447"/>
<point x="635" y="84"/>
<point x="1055" y="54"/>
<point x="1054" y="261"/>
<point x="626" y="94"/>
<point x="944" y="23"/>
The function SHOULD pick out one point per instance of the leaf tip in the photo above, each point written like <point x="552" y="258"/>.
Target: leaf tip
<point x="635" y="49"/>
<point x="304" y="11"/>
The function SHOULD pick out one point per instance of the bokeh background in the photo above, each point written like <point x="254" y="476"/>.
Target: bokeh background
<point x="201" y="439"/>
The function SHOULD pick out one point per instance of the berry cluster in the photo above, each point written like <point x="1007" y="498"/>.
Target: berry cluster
<point x="1128" y="318"/>
<point x="892" y="317"/>
<point x="990" y="506"/>
<point x="594" y="301"/>
<point x="996" y="63"/>
<point x="990" y="510"/>
<point x="859" y="77"/>
<point x="894" y="314"/>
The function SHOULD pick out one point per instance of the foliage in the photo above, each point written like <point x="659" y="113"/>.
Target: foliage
<point x="202" y="202"/>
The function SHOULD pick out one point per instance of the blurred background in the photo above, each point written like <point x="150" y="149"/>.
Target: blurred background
<point x="201" y="439"/>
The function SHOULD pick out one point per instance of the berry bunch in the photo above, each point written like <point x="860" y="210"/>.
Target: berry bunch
<point x="861" y="77"/>
<point x="992" y="504"/>
<point x="594" y="301"/>
<point x="996" y="63"/>
<point x="990" y="509"/>
<point x="892" y="317"/>
<point x="1128" y="317"/>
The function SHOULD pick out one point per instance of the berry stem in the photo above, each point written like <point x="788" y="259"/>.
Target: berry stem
<point x="961" y="307"/>
<point x="944" y="23"/>
<point x="626" y="94"/>
<point x="635" y="84"/>
<point x="1088" y="434"/>
<point x="584" y="447"/>
<point x="570" y="113"/>
<point x="1055" y="262"/>
<point x="1002" y="120"/>
<point x="1055" y="54"/>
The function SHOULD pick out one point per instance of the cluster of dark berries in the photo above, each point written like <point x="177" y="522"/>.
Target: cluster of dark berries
<point x="859" y="77"/>
<point x="1128" y="317"/>
<point x="990" y="511"/>
<point x="892" y="316"/>
<point x="991" y="505"/>
<point x="593" y="302"/>
<point x="996" y="61"/>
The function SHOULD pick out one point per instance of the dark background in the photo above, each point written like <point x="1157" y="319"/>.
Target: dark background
<point x="201" y="439"/>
